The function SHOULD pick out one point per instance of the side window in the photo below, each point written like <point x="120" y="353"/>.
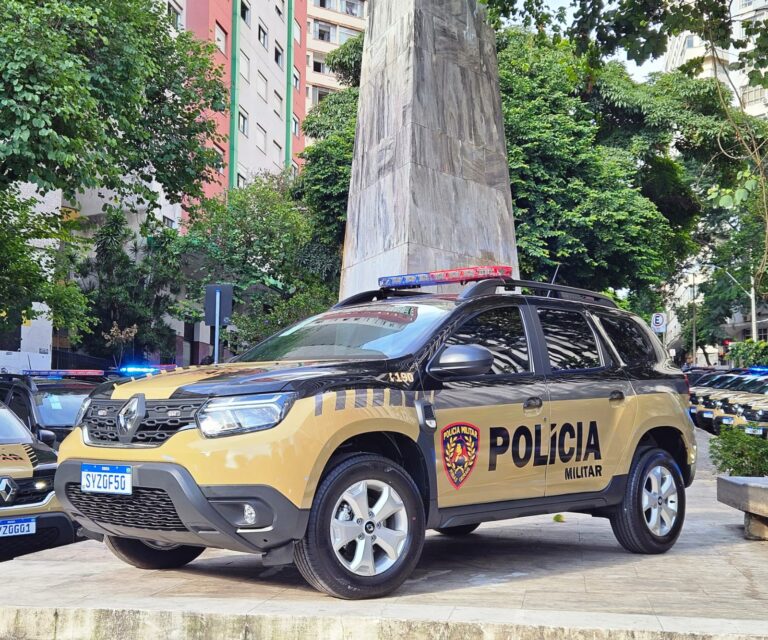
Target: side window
<point x="501" y="331"/>
<point x="631" y="342"/>
<point x="571" y="343"/>
<point x="19" y="406"/>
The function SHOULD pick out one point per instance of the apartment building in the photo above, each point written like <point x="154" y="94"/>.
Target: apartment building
<point x="688" y="46"/>
<point x="330" y="23"/>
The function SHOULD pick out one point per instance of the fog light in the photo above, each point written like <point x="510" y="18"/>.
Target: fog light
<point x="249" y="514"/>
<point x="40" y="485"/>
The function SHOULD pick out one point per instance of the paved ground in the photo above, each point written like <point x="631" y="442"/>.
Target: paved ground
<point x="532" y="571"/>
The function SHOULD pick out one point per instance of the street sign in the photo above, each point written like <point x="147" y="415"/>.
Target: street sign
<point x="225" y="294"/>
<point x="659" y="323"/>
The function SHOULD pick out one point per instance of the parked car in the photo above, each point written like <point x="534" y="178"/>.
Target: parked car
<point x="31" y="518"/>
<point x="49" y="400"/>
<point x="338" y="442"/>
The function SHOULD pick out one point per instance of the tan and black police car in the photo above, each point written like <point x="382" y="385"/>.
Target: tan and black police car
<point x="31" y="518"/>
<point x="338" y="442"/>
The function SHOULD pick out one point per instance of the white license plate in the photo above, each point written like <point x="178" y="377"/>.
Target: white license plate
<point x="100" y="478"/>
<point x="707" y="414"/>
<point x="18" y="527"/>
<point x="727" y="420"/>
<point x="753" y="431"/>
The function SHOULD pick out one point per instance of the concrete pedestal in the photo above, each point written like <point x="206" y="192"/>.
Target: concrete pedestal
<point x="430" y="180"/>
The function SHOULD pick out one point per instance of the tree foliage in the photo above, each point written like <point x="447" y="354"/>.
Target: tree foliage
<point x="35" y="247"/>
<point x="132" y="281"/>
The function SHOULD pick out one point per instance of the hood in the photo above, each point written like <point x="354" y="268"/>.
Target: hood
<point x="239" y="378"/>
<point x="23" y="460"/>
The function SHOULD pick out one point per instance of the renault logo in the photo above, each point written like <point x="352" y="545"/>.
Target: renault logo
<point x="8" y="490"/>
<point x="130" y="417"/>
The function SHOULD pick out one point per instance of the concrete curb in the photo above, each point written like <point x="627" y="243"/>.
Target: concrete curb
<point x="30" y="623"/>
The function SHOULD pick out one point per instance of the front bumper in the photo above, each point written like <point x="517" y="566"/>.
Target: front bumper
<point x="53" y="530"/>
<point x="167" y="505"/>
<point x="705" y="418"/>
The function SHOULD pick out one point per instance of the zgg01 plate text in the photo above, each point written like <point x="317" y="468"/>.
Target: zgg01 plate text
<point x="99" y="478"/>
<point x="18" y="527"/>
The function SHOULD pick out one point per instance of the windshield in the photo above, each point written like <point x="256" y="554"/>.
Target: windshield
<point x="58" y="406"/>
<point x="374" y="331"/>
<point x="727" y="382"/>
<point x="750" y="384"/>
<point x="12" y="430"/>
<point x="708" y="380"/>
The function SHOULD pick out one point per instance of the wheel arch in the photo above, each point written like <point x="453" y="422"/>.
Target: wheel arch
<point x="673" y="441"/>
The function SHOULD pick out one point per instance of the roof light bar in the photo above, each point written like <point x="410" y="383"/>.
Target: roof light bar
<point x="145" y="370"/>
<point x="62" y="373"/>
<point x="448" y="276"/>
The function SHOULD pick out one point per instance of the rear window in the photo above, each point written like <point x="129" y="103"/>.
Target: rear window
<point x="631" y="341"/>
<point x="571" y="342"/>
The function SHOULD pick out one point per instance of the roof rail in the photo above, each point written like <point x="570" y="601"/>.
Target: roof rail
<point x="378" y="294"/>
<point x="488" y="287"/>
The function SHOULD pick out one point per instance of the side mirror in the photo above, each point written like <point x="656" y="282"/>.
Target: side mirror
<point x="46" y="437"/>
<point x="462" y="360"/>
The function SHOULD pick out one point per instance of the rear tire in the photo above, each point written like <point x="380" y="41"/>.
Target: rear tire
<point x="148" y="555"/>
<point x="651" y="515"/>
<point x="365" y="532"/>
<point x="458" y="531"/>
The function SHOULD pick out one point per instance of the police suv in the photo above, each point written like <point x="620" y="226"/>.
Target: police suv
<point x="338" y="442"/>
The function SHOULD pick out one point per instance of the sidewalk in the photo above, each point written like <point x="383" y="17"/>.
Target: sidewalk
<point x="531" y="578"/>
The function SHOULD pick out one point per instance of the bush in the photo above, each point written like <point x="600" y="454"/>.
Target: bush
<point x="738" y="453"/>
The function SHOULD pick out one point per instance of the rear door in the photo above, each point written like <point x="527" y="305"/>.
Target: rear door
<point x="593" y="404"/>
<point x="486" y="434"/>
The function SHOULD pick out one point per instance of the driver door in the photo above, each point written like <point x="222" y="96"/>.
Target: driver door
<point x="488" y="438"/>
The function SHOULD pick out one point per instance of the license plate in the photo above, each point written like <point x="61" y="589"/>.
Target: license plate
<point x="18" y="527"/>
<point x="707" y="414"/>
<point x="99" y="478"/>
<point x="692" y="411"/>
<point x="727" y="420"/>
<point x="753" y="431"/>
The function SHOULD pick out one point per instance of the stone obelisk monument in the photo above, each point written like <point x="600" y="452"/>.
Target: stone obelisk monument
<point x="430" y="182"/>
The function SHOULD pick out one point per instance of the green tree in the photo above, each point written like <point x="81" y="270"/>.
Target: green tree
<point x="35" y="247"/>
<point x="132" y="281"/>
<point x="257" y="238"/>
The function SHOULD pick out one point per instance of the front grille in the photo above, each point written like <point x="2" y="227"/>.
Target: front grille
<point x="164" y="419"/>
<point x="29" y="493"/>
<point x="751" y="415"/>
<point x="146" y="508"/>
<point x="709" y="404"/>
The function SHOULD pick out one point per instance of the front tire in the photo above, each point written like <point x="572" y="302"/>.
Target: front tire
<point x="651" y="515"/>
<point x="366" y="530"/>
<point x="149" y="555"/>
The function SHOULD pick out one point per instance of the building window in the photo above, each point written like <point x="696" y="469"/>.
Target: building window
<point x="294" y="170"/>
<point x="325" y="32"/>
<point x="170" y="223"/>
<point x="352" y="8"/>
<point x="278" y="104"/>
<point x="319" y="94"/>
<point x="347" y="34"/>
<point x="279" y="55"/>
<point x="261" y="138"/>
<point x="325" y="4"/>
<point x="296" y="79"/>
<point x="297" y="32"/>
<point x="241" y="181"/>
<point x="245" y="66"/>
<point x="245" y="12"/>
<point x="242" y="122"/>
<point x="220" y="38"/>
<point x="263" y="36"/>
<point x="295" y="126"/>
<point x="318" y="64"/>
<point x="277" y="150"/>
<point x="174" y="13"/>
<point x="690" y="42"/>
<point x="221" y="168"/>
<point x="280" y="8"/>
<point x="752" y="95"/>
<point x="262" y="86"/>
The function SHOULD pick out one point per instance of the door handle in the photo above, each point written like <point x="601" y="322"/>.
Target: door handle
<point x="616" y="397"/>
<point x="533" y="404"/>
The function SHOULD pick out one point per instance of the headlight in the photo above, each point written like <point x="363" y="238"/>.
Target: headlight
<point x="243" y="414"/>
<point x="83" y="411"/>
<point x="719" y="404"/>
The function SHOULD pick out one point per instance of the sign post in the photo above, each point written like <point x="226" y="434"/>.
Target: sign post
<point x="659" y="323"/>
<point x="218" y="312"/>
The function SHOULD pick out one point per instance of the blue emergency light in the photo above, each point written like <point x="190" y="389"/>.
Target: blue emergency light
<point x="448" y="276"/>
<point x="132" y="371"/>
<point x="759" y="370"/>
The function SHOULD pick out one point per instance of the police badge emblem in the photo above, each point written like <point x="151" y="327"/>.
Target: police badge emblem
<point x="459" y="451"/>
